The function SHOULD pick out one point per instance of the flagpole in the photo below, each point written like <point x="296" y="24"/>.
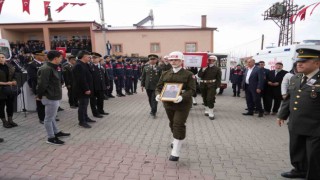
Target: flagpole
<point x="100" y="3"/>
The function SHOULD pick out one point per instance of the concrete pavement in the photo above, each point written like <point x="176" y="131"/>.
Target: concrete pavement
<point x="130" y="144"/>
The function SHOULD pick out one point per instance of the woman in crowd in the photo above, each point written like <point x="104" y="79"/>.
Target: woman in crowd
<point x="6" y="101"/>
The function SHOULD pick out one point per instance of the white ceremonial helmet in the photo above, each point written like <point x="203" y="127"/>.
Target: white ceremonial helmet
<point x="176" y="55"/>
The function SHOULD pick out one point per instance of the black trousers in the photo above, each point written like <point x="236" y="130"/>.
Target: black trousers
<point x="129" y="85"/>
<point x="8" y="104"/>
<point x="109" y="91"/>
<point x="135" y="84"/>
<point x="83" y="109"/>
<point x="305" y="154"/>
<point x="119" y="84"/>
<point x="268" y="102"/>
<point x="236" y="89"/>
<point x="152" y="100"/>
<point x="73" y="101"/>
<point x="40" y="110"/>
<point x="253" y="100"/>
<point x="96" y="102"/>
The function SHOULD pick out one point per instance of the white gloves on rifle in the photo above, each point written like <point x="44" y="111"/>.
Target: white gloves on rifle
<point x="158" y="98"/>
<point x="179" y="99"/>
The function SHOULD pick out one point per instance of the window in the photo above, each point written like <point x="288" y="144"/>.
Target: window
<point x="155" y="47"/>
<point x="117" y="48"/>
<point x="191" y="47"/>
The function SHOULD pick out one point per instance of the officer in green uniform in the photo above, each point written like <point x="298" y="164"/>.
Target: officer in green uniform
<point x="150" y="76"/>
<point x="165" y="66"/>
<point x="178" y="110"/>
<point x="302" y="107"/>
<point x="210" y="81"/>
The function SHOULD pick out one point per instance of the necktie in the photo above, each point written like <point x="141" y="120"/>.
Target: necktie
<point x="304" y="81"/>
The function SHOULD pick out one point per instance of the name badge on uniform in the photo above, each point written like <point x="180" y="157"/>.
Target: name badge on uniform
<point x="313" y="94"/>
<point x="311" y="82"/>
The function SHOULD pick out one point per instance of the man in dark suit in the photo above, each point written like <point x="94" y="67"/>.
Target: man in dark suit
<point x="302" y="107"/>
<point x="273" y="92"/>
<point x="83" y="87"/>
<point x="265" y="71"/>
<point x="253" y="85"/>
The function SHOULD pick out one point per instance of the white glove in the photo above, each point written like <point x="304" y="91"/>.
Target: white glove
<point x="179" y="99"/>
<point x="204" y="68"/>
<point x="158" y="98"/>
<point x="217" y="90"/>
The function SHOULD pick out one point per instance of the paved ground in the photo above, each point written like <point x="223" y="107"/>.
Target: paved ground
<point x="129" y="144"/>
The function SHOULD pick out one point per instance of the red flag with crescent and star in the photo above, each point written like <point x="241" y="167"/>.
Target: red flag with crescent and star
<point x="25" y="6"/>
<point x="1" y="4"/>
<point x="46" y="5"/>
<point x="62" y="7"/>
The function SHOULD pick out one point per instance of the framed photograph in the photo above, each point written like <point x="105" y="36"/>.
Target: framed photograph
<point x="170" y="91"/>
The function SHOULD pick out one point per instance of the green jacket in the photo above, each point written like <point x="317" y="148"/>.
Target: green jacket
<point x="188" y="89"/>
<point x="150" y="77"/>
<point x="49" y="83"/>
<point x="3" y="77"/>
<point x="302" y="106"/>
<point x="211" y="73"/>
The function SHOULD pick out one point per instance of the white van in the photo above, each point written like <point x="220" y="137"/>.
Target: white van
<point x="284" y="54"/>
<point x="5" y="48"/>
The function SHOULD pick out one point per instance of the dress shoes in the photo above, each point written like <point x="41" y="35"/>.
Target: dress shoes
<point x="111" y="96"/>
<point x="60" y="109"/>
<point x="294" y="174"/>
<point x="85" y="125"/>
<point x="248" y="114"/>
<point x="260" y="114"/>
<point x="98" y="116"/>
<point x="91" y="121"/>
<point x="103" y="113"/>
<point x="173" y="158"/>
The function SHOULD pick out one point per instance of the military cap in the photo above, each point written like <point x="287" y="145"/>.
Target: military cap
<point x="128" y="60"/>
<point x="96" y="54"/>
<point x="305" y="54"/>
<point x="106" y="56"/>
<point x="153" y="56"/>
<point x="118" y="57"/>
<point x="39" y="53"/>
<point x="71" y="56"/>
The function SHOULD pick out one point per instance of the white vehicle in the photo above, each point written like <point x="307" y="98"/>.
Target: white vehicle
<point x="284" y="54"/>
<point x="5" y="48"/>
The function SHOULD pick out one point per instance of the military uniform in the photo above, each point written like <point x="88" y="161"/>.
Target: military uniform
<point x="178" y="112"/>
<point x="109" y="69"/>
<point x="210" y="81"/>
<point x="302" y="107"/>
<point x="32" y="77"/>
<point x="136" y="75"/>
<point x="119" y="76"/>
<point x="129" y="76"/>
<point x="68" y="79"/>
<point x="149" y="79"/>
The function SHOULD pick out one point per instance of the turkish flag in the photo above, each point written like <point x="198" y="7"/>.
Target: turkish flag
<point x="310" y="12"/>
<point x="1" y="4"/>
<point x="62" y="7"/>
<point x="62" y="50"/>
<point x="25" y="6"/>
<point x="80" y="4"/>
<point x="46" y="4"/>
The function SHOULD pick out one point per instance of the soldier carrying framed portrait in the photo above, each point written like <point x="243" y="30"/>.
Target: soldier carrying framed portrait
<point x="170" y="91"/>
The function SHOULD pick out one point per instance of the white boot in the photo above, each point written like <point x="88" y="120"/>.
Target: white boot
<point x="194" y="102"/>
<point x="211" y="114"/>
<point x="175" y="153"/>
<point x="206" y="110"/>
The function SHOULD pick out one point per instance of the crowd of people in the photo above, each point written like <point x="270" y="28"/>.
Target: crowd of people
<point x="89" y="78"/>
<point x="78" y="44"/>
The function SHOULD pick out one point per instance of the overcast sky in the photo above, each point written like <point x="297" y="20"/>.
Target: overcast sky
<point x="240" y="22"/>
